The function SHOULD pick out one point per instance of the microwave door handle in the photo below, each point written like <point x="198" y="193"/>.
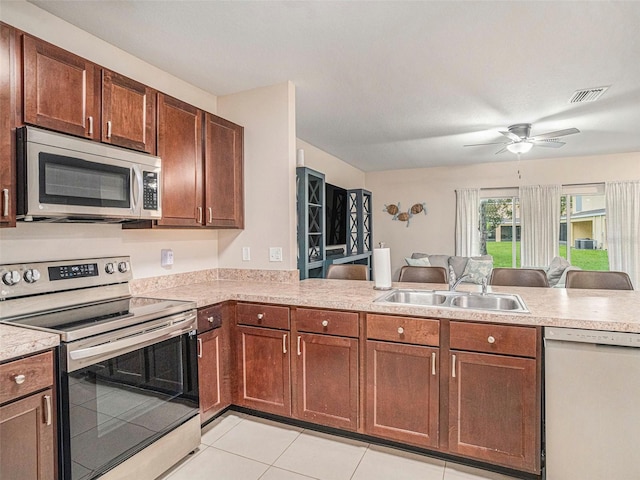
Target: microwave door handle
<point x="136" y="188"/>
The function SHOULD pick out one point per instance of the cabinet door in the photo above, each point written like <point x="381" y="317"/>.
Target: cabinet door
<point x="223" y="187"/>
<point x="492" y="410"/>
<point x="402" y="393"/>
<point x="212" y="379"/>
<point x="61" y="90"/>
<point x="264" y="381"/>
<point x="27" y="438"/>
<point x="327" y="380"/>
<point x="7" y="125"/>
<point x="180" y="147"/>
<point x="128" y="113"/>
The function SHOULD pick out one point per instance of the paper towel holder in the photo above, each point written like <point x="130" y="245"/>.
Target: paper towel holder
<point x="389" y="287"/>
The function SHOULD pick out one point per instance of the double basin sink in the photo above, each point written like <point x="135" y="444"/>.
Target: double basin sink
<point x="473" y="301"/>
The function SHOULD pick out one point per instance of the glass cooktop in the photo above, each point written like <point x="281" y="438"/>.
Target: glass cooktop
<point x="82" y="321"/>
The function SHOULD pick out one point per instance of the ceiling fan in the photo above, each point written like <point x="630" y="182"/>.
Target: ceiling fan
<point x="520" y="140"/>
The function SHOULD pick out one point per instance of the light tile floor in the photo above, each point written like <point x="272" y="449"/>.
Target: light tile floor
<point x="236" y="446"/>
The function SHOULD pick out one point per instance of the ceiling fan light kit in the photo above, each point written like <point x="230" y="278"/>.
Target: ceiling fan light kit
<point x="520" y="147"/>
<point x="521" y="141"/>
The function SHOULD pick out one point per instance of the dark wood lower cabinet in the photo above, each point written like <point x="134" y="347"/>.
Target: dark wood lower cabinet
<point x="263" y="375"/>
<point x="211" y="376"/>
<point x="402" y="384"/>
<point x="27" y="438"/>
<point x="493" y="414"/>
<point x="326" y="380"/>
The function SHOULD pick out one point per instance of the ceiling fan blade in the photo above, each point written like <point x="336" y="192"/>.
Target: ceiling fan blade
<point x="511" y="136"/>
<point x="549" y="143"/>
<point x="504" y="149"/>
<point x="479" y="144"/>
<point x="556" y="134"/>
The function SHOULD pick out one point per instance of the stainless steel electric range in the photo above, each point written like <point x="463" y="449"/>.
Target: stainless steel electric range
<point x="127" y="378"/>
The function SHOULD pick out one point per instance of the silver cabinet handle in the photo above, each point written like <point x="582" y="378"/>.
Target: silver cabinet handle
<point x="433" y="363"/>
<point x="210" y="215"/>
<point x="199" y="214"/>
<point x="299" y="351"/>
<point x="19" y="379"/>
<point x="5" y="202"/>
<point x="199" y="348"/>
<point x="491" y="339"/>
<point x="210" y="319"/>
<point x="453" y="367"/>
<point x="47" y="409"/>
<point x="260" y="316"/>
<point x="400" y="330"/>
<point x="284" y="343"/>
<point x="325" y="323"/>
<point x="90" y="125"/>
<point x="109" y="129"/>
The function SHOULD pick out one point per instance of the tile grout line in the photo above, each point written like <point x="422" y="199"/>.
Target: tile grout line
<point x="360" y="461"/>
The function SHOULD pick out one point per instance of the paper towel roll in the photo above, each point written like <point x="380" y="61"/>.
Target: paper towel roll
<point x="382" y="268"/>
<point x="300" y="158"/>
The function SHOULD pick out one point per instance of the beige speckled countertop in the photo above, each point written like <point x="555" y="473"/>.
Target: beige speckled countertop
<point x="589" y="309"/>
<point x="17" y="341"/>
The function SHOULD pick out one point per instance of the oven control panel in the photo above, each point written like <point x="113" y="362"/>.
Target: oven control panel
<point x="24" y="279"/>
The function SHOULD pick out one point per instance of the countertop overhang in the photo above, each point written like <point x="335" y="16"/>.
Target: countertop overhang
<point x="611" y="310"/>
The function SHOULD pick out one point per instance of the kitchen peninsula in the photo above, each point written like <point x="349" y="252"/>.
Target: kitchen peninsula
<point x="278" y="340"/>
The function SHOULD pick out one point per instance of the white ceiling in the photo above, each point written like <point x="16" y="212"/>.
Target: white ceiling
<point x="394" y="84"/>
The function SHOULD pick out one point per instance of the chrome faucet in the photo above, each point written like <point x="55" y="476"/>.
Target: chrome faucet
<point x="453" y="283"/>
<point x="485" y="280"/>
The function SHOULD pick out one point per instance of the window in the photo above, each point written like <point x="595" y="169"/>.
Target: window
<point x="500" y="229"/>
<point x="583" y="227"/>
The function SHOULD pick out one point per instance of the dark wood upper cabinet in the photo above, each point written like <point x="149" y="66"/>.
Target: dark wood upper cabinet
<point x="61" y="90"/>
<point x="180" y="147"/>
<point x="8" y="94"/>
<point x="223" y="173"/>
<point x="128" y="113"/>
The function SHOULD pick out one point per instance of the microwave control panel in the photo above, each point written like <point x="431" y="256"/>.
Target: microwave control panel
<point x="150" y="190"/>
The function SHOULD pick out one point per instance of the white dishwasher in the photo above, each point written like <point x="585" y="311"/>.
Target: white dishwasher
<point x="592" y="404"/>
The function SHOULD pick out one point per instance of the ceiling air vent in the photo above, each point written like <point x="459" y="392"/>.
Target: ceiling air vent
<point x="587" y="95"/>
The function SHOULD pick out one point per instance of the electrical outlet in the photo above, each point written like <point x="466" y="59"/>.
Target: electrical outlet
<point x="166" y="257"/>
<point x="246" y="254"/>
<point x="275" y="254"/>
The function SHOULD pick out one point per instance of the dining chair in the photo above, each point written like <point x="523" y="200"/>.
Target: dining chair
<point x="423" y="274"/>
<point x="519" y="277"/>
<point x="348" y="271"/>
<point x="604" y="280"/>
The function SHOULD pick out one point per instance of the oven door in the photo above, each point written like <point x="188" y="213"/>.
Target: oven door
<point x="119" y="392"/>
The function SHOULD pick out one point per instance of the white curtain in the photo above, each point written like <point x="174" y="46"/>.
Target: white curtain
<point x="468" y="222"/>
<point x="623" y="228"/>
<point x="540" y="224"/>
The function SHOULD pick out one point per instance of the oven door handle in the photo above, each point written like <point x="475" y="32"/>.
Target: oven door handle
<point x="142" y="339"/>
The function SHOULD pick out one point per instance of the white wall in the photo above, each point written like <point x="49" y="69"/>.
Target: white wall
<point x="335" y="170"/>
<point x="268" y="115"/>
<point x="434" y="233"/>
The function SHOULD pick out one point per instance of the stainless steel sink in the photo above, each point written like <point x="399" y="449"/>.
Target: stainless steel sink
<point x="490" y="301"/>
<point x="416" y="297"/>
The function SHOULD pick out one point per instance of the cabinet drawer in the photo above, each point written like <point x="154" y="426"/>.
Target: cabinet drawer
<point x="270" y="316"/>
<point x="328" y="322"/>
<point x="36" y="370"/>
<point x="210" y="317"/>
<point x="419" y="331"/>
<point x="505" y="339"/>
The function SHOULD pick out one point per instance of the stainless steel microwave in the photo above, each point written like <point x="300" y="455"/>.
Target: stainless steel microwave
<point x="65" y="178"/>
